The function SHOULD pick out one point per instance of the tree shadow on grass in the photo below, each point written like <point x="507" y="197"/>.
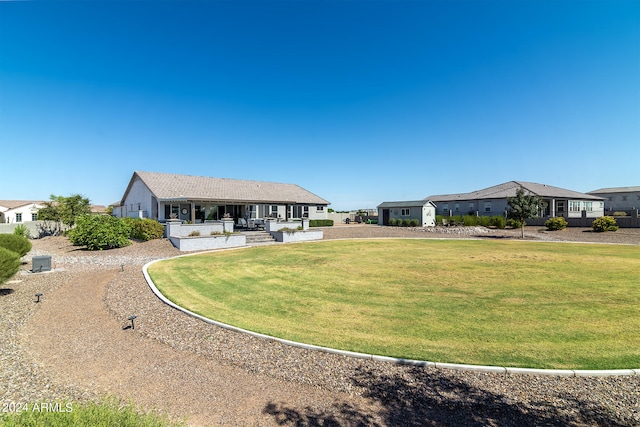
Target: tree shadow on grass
<point x="423" y="397"/>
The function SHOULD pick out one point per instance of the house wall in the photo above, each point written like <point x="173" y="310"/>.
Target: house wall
<point x="620" y="201"/>
<point x="12" y="216"/>
<point x="465" y="207"/>
<point x="498" y="207"/>
<point x="137" y="203"/>
<point x="426" y="215"/>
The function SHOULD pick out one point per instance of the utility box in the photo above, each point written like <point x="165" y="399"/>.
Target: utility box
<point x="41" y="263"/>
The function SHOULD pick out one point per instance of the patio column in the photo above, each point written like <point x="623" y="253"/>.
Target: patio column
<point x="552" y="211"/>
<point x="193" y="213"/>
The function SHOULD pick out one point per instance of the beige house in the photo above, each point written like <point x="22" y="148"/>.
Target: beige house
<point x="195" y="199"/>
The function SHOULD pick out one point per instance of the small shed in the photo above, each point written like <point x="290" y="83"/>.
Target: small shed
<point x="422" y="210"/>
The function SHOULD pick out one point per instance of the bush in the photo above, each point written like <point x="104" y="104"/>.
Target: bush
<point x="145" y="229"/>
<point x="604" y="223"/>
<point x="413" y="222"/>
<point x="320" y="223"/>
<point x="392" y="221"/>
<point x="557" y="223"/>
<point x="18" y="244"/>
<point x="619" y="213"/>
<point x="498" y="221"/>
<point x="22" y="230"/>
<point x="194" y="233"/>
<point x="484" y="221"/>
<point x="98" y="232"/>
<point x="9" y="264"/>
<point x="514" y="223"/>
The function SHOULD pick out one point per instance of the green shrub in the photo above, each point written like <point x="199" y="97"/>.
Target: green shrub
<point x="498" y="221"/>
<point x="320" y="223"/>
<point x="413" y="222"/>
<point x="15" y="243"/>
<point x="513" y="223"/>
<point x="9" y="264"/>
<point x="392" y="221"/>
<point x="195" y="233"/>
<point x="604" y="223"/>
<point x="469" y="220"/>
<point x="557" y="223"/>
<point x="145" y="229"/>
<point x="439" y="219"/>
<point x="484" y="221"/>
<point x="98" y="232"/>
<point x="22" y="230"/>
<point x="619" y="213"/>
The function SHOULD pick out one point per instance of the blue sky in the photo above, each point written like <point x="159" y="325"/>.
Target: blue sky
<point x="359" y="102"/>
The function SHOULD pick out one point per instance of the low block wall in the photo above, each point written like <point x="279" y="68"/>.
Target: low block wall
<point x="204" y="243"/>
<point x="297" y="236"/>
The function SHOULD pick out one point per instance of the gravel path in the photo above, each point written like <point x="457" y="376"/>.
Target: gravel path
<point x="73" y="346"/>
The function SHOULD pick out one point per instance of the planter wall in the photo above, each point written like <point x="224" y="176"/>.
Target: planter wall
<point x="204" y="243"/>
<point x="298" y="236"/>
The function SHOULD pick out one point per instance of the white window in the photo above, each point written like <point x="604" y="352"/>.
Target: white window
<point x="319" y="208"/>
<point x="487" y="206"/>
<point x="588" y="206"/>
<point x="560" y="207"/>
<point x="405" y="212"/>
<point x="574" y="205"/>
<point x="34" y="217"/>
<point x="18" y="217"/>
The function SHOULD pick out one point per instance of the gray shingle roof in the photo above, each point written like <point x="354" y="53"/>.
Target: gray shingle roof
<point x="633" y="189"/>
<point x="167" y="186"/>
<point x="508" y="189"/>
<point x="404" y="204"/>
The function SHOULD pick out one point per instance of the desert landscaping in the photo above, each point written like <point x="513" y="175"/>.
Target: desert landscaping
<point x="77" y="345"/>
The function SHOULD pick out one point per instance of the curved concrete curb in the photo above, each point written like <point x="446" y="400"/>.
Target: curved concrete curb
<point x="398" y="361"/>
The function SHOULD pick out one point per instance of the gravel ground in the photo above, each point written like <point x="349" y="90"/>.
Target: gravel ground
<point x="62" y="349"/>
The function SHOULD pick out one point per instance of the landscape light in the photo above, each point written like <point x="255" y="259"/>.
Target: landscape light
<point x="133" y="326"/>
<point x="38" y="296"/>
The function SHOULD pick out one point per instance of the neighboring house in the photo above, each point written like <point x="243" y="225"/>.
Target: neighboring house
<point x="493" y="201"/>
<point x="164" y="196"/>
<point x="619" y="198"/>
<point x="17" y="211"/>
<point x="422" y="210"/>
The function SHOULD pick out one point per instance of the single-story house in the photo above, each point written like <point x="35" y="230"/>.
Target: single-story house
<point x="164" y="196"/>
<point x="17" y="211"/>
<point x="422" y="210"/>
<point x="619" y="198"/>
<point x="494" y="201"/>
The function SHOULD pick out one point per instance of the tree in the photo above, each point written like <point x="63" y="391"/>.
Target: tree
<point x="524" y="206"/>
<point x="65" y="210"/>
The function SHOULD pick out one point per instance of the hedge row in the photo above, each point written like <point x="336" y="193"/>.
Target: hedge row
<point x="320" y="223"/>
<point x="404" y="222"/>
<point x="473" y="221"/>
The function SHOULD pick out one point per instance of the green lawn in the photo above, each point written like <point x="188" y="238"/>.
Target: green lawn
<point x="506" y="303"/>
